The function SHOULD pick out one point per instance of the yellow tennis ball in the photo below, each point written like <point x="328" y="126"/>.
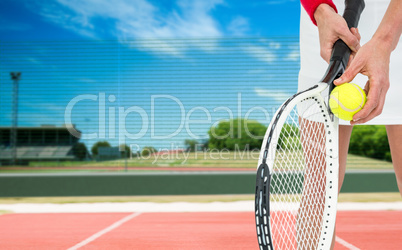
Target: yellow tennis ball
<point x="346" y="100"/>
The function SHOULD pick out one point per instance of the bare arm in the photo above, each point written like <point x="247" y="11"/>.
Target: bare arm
<point x="373" y="60"/>
<point x="390" y="28"/>
<point x="331" y="27"/>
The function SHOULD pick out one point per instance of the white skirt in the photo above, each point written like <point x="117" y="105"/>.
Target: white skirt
<point x="312" y="66"/>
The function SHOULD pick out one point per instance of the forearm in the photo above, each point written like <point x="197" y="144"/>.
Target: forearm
<point x="390" y="28"/>
<point x="322" y="11"/>
<point x="311" y="6"/>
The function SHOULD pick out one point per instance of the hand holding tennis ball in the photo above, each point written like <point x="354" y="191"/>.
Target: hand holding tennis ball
<point x="346" y="100"/>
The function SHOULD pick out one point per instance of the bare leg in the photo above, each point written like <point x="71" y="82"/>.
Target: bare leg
<point x="394" y="133"/>
<point x="312" y="135"/>
<point x="345" y="132"/>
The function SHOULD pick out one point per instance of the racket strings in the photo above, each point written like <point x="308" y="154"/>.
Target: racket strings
<point x="298" y="179"/>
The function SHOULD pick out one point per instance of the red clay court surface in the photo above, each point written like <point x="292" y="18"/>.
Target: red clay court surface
<point x="191" y="230"/>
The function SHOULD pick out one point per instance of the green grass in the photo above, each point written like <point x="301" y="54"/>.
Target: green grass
<point x="364" y="163"/>
<point x="181" y="160"/>
<point x="369" y="197"/>
<point x="4" y="212"/>
<point x="157" y="199"/>
<point x="194" y="159"/>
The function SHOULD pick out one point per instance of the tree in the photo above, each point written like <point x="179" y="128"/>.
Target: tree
<point x="148" y="151"/>
<point x="191" y="145"/>
<point x="204" y="144"/>
<point x="236" y="134"/>
<point x="370" y="141"/>
<point x="80" y="151"/>
<point x="125" y="150"/>
<point x="95" y="147"/>
<point x="289" y="137"/>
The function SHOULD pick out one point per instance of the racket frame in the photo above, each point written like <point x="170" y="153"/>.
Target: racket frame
<point x="338" y="62"/>
<point x="266" y="163"/>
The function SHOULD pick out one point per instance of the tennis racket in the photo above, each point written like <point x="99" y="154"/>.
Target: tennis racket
<point x="297" y="175"/>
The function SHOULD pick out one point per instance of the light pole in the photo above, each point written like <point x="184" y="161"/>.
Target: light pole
<point x="15" y="76"/>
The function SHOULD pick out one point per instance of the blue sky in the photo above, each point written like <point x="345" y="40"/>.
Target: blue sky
<point x="102" y="19"/>
<point x="206" y="54"/>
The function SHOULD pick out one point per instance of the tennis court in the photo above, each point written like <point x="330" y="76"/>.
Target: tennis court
<point x="177" y="225"/>
<point x="161" y="100"/>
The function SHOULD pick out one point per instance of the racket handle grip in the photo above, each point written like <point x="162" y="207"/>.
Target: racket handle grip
<point x="353" y="9"/>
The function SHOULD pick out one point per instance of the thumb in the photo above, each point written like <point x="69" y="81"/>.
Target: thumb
<point x="349" y="74"/>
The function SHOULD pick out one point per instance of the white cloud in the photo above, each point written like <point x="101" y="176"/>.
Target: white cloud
<point x="262" y="53"/>
<point x="274" y="45"/>
<point x="136" y="19"/>
<point x="263" y="50"/>
<point x="238" y="26"/>
<point x="258" y="72"/>
<point x="275" y="94"/>
<point x="293" y="55"/>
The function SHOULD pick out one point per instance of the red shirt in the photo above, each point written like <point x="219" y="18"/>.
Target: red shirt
<point x="311" y="5"/>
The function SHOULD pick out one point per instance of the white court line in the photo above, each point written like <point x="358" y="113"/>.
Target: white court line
<point x="346" y="244"/>
<point x="104" y="231"/>
<point x="148" y="207"/>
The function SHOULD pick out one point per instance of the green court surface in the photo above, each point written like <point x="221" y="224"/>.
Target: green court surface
<point x="199" y="173"/>
<point x="166" y="183"/>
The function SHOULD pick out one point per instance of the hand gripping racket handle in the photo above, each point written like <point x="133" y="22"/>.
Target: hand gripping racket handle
<point x="353" y="9"/>
<point x="341" y="52"/>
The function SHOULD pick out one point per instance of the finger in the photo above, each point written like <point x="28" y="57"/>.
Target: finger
<point x="375" y="112"/>
<point x="356" y="33"/>
<point x="351" y="57"/>
<point x="374" y="100"/>
<point x="351" y="71"/>
<point x="326" y="54"/>
<point x="351" y="40"/>
<point x="367" y="88"/>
